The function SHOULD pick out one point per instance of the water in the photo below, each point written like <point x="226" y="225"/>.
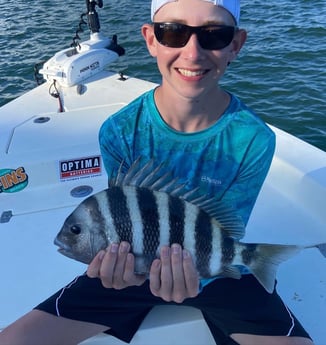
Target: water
<point x="280" y="73"/>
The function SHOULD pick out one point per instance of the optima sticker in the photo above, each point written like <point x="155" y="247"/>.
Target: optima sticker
<point x="13" y="180"/>
<point x="80" y="168"/>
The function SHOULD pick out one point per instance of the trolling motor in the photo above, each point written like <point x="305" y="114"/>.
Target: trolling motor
<point x="93" y="20"/>
<point x="73" y="65"/>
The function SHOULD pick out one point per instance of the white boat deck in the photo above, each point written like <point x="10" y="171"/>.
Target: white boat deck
<point x="290" y="209"/>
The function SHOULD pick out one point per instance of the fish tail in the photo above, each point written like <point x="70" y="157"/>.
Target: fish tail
<point x="266" y="261"/>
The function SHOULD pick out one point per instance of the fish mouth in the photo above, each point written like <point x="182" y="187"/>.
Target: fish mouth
<point x="63" y="249"/>
<point x="61" y="245"/>
<point x="67" y="251"/>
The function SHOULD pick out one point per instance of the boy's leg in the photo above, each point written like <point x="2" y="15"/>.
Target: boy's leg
<point x="41" y="328"/>
<point x="80" y="310"/>
<point x="242" y="312"/>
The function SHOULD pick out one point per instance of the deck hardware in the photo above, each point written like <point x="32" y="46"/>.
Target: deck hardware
<point x="81" y="89"/>
<point x="6" y="216"/>
<point x="81" y="191"/>
<point x="42" y="119"/>
<point x="122" y="77"/>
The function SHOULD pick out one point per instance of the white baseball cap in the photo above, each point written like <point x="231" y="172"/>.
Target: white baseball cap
<point x="233" y="6"/>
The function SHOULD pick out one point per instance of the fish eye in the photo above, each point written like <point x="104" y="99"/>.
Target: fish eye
<point x="75" y="229"/>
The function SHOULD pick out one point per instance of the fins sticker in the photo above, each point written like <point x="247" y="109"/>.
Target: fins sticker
<point x="13" y="180"/>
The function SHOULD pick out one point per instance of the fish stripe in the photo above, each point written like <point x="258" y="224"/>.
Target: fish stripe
<point x="120" y="213"/>
<point x="135" y="218"/>
<point x="191" y="214"/>
<point x="176" y="220"/>
<point x="162" y="199"/>
<point x="228" y="250"/>
<point x="96" y="216"/>
<point x="150" y="219"/>
<point x="216" y="257"/>
<point x="204" y="237"/>
<point x="108" y="224"/>
<point x="249" y="253"/>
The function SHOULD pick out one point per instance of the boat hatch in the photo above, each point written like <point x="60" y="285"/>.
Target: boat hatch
<point x="53" y="132"/>
<point x="47" y="160"/>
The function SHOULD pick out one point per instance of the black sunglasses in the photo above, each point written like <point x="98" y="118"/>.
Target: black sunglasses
<point x="211" y="37"/>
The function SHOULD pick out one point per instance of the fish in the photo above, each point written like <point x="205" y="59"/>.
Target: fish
<point x="150" y="210"/>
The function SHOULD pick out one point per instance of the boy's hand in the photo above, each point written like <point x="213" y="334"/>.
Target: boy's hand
<point x="115" y="267"/>
<point x="174" y="277"/>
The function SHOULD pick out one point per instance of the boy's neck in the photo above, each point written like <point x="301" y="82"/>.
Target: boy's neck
<point x="191" y="115"/>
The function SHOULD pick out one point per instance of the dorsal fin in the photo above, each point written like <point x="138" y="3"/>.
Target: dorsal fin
<point x="158" y="179"/>
<point x="147" y="176"/>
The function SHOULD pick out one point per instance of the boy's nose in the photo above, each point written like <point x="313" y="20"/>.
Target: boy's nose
<point x="193" y="49"/>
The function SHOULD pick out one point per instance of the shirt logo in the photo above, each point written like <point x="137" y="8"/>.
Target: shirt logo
<point x="212" y="181"/>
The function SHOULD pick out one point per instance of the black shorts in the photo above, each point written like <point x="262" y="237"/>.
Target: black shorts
<point x="228" y="306"/>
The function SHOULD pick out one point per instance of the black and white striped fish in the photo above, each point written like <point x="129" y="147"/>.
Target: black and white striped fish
<point x="149" y="212"/>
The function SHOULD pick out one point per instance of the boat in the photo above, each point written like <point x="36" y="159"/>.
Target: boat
<point x="50" y="161"/>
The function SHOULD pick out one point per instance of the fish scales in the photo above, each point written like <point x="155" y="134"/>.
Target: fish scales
<point x="249" y="253"/>
<point x="150" y="222"/>
<point x="228" y="250"/>
<point x="191" y="214"/>
<point x="119" y="211"/>
<point x="150" y="210"/>
<point x="134" y="235"/>
<point x="203" y="240"/>
<point x="164" y="223"/>
<point x="176" y="220"/>
<point x="153" y="208"/>
<point x="107" y="221"/>
<point x="93" y="208"/>
<point x="146" y="210"/>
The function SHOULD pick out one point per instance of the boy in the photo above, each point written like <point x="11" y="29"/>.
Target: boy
<point x="208" y="138"/>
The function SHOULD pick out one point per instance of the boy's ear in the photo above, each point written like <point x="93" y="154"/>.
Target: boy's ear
<point x="147" y="31"/>
<point x="237" y="43"/>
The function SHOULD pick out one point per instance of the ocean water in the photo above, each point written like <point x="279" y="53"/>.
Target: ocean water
<point x="280" y="73"/>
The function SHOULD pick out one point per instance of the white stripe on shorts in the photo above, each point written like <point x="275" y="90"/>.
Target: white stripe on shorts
<point x="292" y="320"/>
<point x="62" y="292"/>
